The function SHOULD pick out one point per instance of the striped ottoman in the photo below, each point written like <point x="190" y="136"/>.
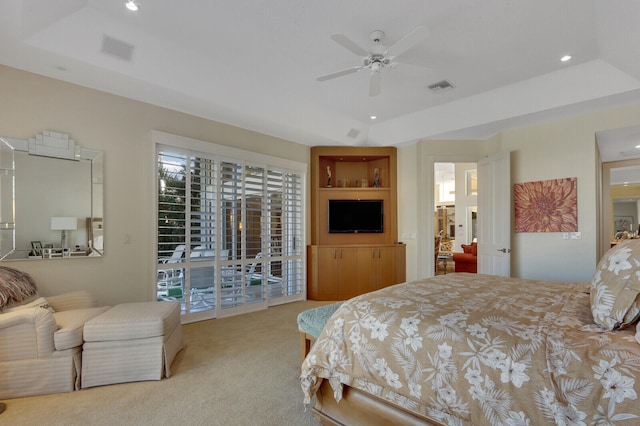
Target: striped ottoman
<point x="131" y="342"/>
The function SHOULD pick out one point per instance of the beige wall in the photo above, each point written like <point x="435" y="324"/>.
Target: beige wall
<point x="562" y="148"/>
<point x="122" y="129"/>
<point x="551" y="150"/>
<point x="407" y="213"/>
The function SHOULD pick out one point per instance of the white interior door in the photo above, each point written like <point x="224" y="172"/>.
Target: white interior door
<point x="494" y="215"/>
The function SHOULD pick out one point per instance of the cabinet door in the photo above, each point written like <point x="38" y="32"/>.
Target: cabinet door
<point x="385" y="266"/>
<point x="327" y="272"/>
<point x="337" y="273"/>
<point x="376" y="268"/>
<point x="367" y="270"/>
<point x="347" y="273"/>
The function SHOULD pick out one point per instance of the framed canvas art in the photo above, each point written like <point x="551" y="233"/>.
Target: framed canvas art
<point x="546" y="205"/>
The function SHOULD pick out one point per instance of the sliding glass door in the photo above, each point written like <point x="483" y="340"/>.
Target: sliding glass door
<point x="229" y="233"/>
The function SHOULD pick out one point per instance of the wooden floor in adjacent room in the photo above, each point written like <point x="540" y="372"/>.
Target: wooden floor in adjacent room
<point x="443" y="269"/>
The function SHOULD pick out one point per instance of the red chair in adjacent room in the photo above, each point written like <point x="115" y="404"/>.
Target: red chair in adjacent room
<point x="467" y="261"/>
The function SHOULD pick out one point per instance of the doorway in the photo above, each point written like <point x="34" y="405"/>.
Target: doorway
<point x="455" y="210"/>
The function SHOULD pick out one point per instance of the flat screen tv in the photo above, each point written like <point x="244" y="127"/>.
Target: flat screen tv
<point x="355" y="216"/>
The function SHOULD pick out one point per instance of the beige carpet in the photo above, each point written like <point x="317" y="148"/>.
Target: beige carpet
<point x="233" y="371"/>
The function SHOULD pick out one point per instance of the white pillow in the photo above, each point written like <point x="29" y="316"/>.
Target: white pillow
<point x="615" y="288"/>
<point x="40" y="302"/>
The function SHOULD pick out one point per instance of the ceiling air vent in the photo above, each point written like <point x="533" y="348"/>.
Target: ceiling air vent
<point x="440" y="86"/>
<point x="117" y="48"/>
<point x="353" y="133"/>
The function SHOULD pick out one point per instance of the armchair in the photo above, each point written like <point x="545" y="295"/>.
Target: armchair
<point x="468" y="260"/>
<point x="41" y="341"/>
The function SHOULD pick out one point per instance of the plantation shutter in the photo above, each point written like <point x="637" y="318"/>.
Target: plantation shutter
<point x="253" y="232"/>
<point x="275" y="193"/>
<point x="230" y="233"/>
<point x="172" y="211"/>
<point x="200" y="272"/>
<point x="293" y="197"/>
<point x="231" y="292"/>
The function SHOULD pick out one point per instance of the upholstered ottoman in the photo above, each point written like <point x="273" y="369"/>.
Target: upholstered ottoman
<point x="131" y="342"/>
<point x="310" y="324"/>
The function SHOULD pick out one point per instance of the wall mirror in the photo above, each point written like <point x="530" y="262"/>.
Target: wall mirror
<point x="619" y="195"/>
<point x="51" y="198"/>
<point x="624" y="187"/>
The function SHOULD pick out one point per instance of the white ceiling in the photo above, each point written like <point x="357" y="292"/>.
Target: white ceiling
<point x="254" y="64"/>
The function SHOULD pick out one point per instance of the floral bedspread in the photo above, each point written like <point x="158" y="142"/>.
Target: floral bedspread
<point x="479" y="349"/>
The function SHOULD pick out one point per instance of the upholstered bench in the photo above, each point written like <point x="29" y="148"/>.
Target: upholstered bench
<point x="131" y="342"/>
<point x="310" y="324"/>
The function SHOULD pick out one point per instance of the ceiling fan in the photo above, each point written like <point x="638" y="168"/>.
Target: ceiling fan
<point x="379" y="57"/>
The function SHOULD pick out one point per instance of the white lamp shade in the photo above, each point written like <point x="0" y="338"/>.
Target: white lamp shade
<point x="64" y="223"/>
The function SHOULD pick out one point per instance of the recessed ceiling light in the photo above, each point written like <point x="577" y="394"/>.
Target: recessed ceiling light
<point x="131" y="5"/>
<point x="565" y="58"/>
<point x="373" y="117"/>
<point x="638" y="146"/>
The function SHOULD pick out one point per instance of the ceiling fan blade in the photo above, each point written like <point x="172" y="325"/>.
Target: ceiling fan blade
<point x="374" y="83"/>
<point x="408" y="41"/>
<point x="348" y="44"/>
<point x="339" y="73"/>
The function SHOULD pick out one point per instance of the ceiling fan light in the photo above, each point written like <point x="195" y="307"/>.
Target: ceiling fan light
<point x="378" y="57"/>
<point x="131" y="5"/>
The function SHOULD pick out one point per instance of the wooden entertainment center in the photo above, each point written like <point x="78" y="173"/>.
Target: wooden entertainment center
<point x="341" y="265"/>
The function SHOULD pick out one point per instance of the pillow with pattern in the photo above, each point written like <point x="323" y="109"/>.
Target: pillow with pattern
<point x="615" y="287"/>
<point x="15" y="287"/>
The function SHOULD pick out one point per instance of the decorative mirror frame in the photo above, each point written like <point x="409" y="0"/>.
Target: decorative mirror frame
<point x="35" y="160"/>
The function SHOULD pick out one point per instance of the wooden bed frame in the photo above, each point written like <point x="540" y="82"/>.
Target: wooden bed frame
<point x="358" y="407"/>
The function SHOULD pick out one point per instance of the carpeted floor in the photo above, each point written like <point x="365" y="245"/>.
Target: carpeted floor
<point x="233" y="371"/>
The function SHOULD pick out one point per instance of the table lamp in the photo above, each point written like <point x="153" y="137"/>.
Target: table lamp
<point x="64" y="224"/>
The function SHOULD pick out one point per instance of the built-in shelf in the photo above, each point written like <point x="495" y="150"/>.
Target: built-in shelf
<point x="342" y="265"/>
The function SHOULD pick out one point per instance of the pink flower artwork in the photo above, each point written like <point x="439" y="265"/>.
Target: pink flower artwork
<point x="547" y="205"/>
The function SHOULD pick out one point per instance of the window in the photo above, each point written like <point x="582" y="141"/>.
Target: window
<point x="229" y="231"/>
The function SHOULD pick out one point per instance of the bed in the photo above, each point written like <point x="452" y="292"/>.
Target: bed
<point x="462" y="349"/>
